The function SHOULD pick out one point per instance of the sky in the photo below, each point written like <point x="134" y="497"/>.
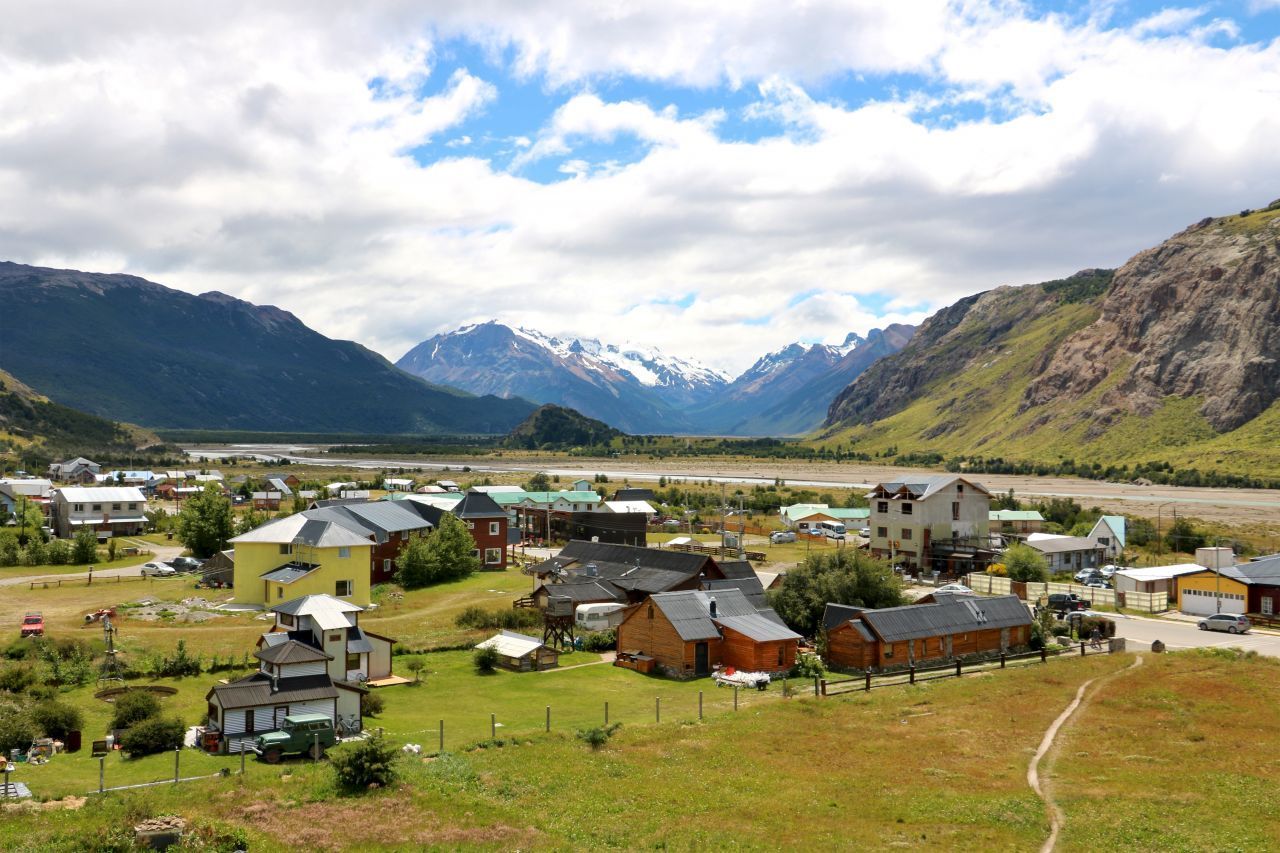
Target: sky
<point x="715" y="179"/>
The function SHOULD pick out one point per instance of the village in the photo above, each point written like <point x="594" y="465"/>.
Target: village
<point x="595" y="580"/>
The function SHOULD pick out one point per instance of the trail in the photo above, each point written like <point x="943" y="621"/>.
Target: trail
<point x="1056" y="817"/>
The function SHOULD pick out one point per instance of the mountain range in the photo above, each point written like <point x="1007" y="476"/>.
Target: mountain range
<point x="125" y="348"/>
<point x="1173" y="357"/>
<point x="640" y="389"/>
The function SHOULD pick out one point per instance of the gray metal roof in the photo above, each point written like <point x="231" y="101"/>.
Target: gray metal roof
<point x="291" y="651"/>
<point x="255" y="691"/>
<point x="585" y="591"/>
<point x="687" y="563"/>
<point x="478" y="505"/>
<point x="1064" y="544"/>
<point x="924" y="487"/>
<point x="289" y="572"/>
<point x="1262" y="572"/>
<point x="360" y="643"/>
<point x="751" y="587"/>
<point x="736" y="569"/>
<point x="757" y="627"/>
<point x="836" y="614"/>
<point x="689" y="611"/>
<point x="952" y="615"/>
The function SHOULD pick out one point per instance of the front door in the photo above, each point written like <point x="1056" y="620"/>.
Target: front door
<point x="1268" y="607"/>
<point x="701" y="665"/>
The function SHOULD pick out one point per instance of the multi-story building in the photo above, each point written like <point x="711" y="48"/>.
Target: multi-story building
<point x="939" y="524"/>
<point x="114" y="511"/>
<point x="296" y="556"/>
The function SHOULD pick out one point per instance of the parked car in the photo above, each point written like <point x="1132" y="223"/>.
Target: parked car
<point x="779" y="536"/>
<point x="1098" y="584"/>
<point x="1232" y="623"/>
<point x="1062" y="601"/>
<point x="159" y="570"/>
<point x="865" y="532"/>
<point x="1108" y="571"/>
<point x="298" y="733"/>
<point x="1084" y="574"/>
<point x="32" y="625"/>
<point x="186" y="564"/>
<point x="957" y="588"/>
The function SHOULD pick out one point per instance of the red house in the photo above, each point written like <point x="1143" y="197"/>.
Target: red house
<point x="487" y="524"/>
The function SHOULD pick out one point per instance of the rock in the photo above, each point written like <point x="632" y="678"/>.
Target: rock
<point x="1157" y="647"/>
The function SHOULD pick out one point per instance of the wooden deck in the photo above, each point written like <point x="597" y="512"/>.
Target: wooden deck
<point x="389" y="681"/>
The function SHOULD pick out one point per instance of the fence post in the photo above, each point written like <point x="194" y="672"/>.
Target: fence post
<point x="7" y="771"/>
<point x="315" y="748"/>
<point x="102" y="773"/>
<point x="1082" y="648"/>
<point x="493" y="726"/>
<point x="606" y="713"/>
<point x="699" y="704"/>
<point x="177" y="753"/>
<point x="784" y="687"/>
<point x="548" y="718"/>
<point x="657" y="709"/>
<point x="957" y="669"/>
<point x="442" y="737"/>
<point x="241" y="759"/>
<point x="824" y="687"/>
<point x="735" y="697"/>
<point x="1044" y="654"/>
<point x="868" y="688"/>
<point x="911" y="673"/>
<point x="815" y="686"/>
<point x="1002" y="660"/>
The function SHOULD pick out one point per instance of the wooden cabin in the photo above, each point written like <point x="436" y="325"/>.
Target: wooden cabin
<point x="950" y="627"/>
<point x="691" y="632"/>
<point x="521" y="653"/>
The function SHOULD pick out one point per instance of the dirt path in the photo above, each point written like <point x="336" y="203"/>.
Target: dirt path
<point x="1056" y="817"/>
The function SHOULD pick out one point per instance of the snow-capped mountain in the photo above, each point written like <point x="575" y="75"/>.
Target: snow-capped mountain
<point x="642" y="390"/>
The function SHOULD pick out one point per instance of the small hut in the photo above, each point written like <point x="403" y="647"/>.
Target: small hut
<point x="521" y="653"/>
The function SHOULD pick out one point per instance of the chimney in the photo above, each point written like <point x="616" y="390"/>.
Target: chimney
<point x="712" y="602"/>
<point x="592" y="570"/>
<point x="275" y="680"/>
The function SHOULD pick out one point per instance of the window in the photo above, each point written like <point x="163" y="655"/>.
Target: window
<point x="960" y="489"/>
<point x="344" y="553"/>
<point x="279" y="592"/>
<point x="286" y="549"/>
<point x="115" y="507"/>
<point x="386" y="566"/>
<point x="248" y="720"/>
<point x="906" y="533"/>
<point x="888" y="650"/>
<point x="335" y="638"/>
<point x="650" y="614"/>
<point x="213" y="713"/>
<point x="343" y="588"/>
<point x="955" y="510"/>
<point x="471" y="525"/>
<point x="79" y="507"/>
<point x="906" y="508"/>
<point x="286" y="620"/>
<point x="882" y="506"/>
<point x="353" y="661"/>
<point x="97" y="507"/>
<point x="882" y="532"/>
<point x="493" y="528"/>
<point x="475" y="552"/>
<point x="492" y="556"/>
<point x="133" y="506"/>
<point x="781" y="656"/>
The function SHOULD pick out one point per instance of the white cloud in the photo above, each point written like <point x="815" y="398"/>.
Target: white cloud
<point x="266" y="154"/>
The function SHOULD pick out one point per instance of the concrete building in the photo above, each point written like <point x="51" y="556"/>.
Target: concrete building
<point x="114" y="511"/>
<point x="937" y="524"/>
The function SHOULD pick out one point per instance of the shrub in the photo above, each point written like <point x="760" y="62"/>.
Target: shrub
<point x="177" y="665"/>
<point x="1061" y="630"/>
<point x="600" y="641"/>
<point x="58" y="552"/>
<point x="18" y="650"/>
<point x="364" y="764"/>
<point x="1024" y="563"/>
<point x="372" y="704"/>
<point x="16" y="728"/>
<point x="510" y="618"/>
<point x="416" y="666"/>
<point x="56" y="719"/>
<point x="85" y="547"/>
<point x="598" y="736"/>
<point x="1106" y="626"/>
<point x="152" y="735"/>
<point x="133" y="707"/>
<point x="486" y="660"/>
<point x="16" y="678"/>
<point x="808" y="666"/>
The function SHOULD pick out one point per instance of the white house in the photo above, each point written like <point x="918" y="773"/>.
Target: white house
<point x="1108" y="532"/>
<point x="1067" y="553"/>
<point x="114" y="511"/>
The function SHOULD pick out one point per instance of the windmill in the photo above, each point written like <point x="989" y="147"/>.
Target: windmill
<point x="110" y="666"/>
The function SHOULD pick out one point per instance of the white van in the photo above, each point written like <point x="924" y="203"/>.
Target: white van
<point x="831" y="529"/>
<point x="595" y="617"/>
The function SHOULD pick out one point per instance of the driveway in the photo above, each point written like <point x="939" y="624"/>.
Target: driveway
<point x="163" y="553"/>
<point x="1142" y="632"/>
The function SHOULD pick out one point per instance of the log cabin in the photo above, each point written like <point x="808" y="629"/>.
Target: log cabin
<point x="951" y="626"/>
<point x="689" y="633"/>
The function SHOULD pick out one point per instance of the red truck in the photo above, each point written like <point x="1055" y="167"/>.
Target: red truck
<point x="33" y="625"/>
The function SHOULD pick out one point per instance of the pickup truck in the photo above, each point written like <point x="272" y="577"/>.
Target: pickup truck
<point x="1060" y="602"/>
<point x="300" y="733"/>
<point x="32" y="625"/>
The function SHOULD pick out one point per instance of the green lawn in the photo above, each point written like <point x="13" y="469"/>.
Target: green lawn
<point x="47" y="569"/>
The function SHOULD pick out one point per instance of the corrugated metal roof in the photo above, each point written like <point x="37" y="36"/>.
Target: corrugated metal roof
<point x="757" y="627"/>
<point x="104" y="494"/>
<point x="360" y="643"/>
<point x="1159" y="573"/>
<point x="255" y="691"/>
<point x="751" y="587"/>
<point x="953" y="615"/>
<point x="511" y="644"/>
<point x="291" y="651"/>
<point x="288" y="573"/>
<point x="1064" y="544"/>
<point x="1014" y="515"/>
<point x="298" y="529"/>
<point x="836" y="614"/>
<point x="690" y="611"/>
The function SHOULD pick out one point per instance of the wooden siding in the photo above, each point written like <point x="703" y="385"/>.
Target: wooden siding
<point x="658" y="638"/>
<point x="739" y="650"/>
<point x="294" y="670"/>
<point x="847" y="649"/>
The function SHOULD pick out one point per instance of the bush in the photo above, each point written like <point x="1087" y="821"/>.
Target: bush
<point x="598" y="736"/>
<point x="808" y="666"/>
<point x="152" y="735"/>
<point x="1024" y="563"/>
<point x="364" y="764"/>
<point x="486" y="660"/>
<point x="177" y="665"/>
<point x="133" y="707"/>
<point x="600" y="641"/>
<point x="56" y="719"/>
<point x="1061" y="630"/>
<point x="372" y="704"/>
<point x="16" y="728"/>
<point x="58" y="552"/>
<point x="85" y="547"/>
<point x="16" y="678"/>
<point x="1106" y="626"/>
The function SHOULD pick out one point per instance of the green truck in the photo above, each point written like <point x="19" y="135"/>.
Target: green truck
<point x="311" y="734"/>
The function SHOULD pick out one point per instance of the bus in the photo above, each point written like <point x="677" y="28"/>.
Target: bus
<point x="830" y="529"/>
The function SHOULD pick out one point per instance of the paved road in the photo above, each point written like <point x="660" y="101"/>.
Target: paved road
<point x="1184" y="635"/>
<point x="163" y="553"/>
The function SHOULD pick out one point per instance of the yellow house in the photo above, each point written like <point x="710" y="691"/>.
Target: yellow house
<point x="295" y="556"/>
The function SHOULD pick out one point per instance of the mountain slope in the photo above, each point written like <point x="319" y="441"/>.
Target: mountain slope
<point x="1173" y="359"/>
<point x="788" y="392"/>
<point x="638" y="389"/>
<point x="30" y="423"/>
<point x="125" y="348"/>
<point x="557" y="428"/>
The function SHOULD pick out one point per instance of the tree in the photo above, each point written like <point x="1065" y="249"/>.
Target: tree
<point x="485" y="660"/>
<point x="848" y="576"/>
<point x="84" y="549"/>
<point x="205" y="522"/>
<point x="29" y="520"/>
<point x="17" y="731"/>
<point x="1024" y="563"/>
<point x="250" y="520"/>
<point x="369" y="763"/>
<point x="539" y="482"/>
<point x="416" y="666"/>
<point x="1182" y="536"/>
<point x="1140" y="532"/>
<point x="1006" y="501"/>
<point x="56" y="719"/>
<point x="133" y="707"/>
<point x="445" y="555"/>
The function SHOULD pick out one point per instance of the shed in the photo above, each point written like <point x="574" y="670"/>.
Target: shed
<point x="522" y="653"/>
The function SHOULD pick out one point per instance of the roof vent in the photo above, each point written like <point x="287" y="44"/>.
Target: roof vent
<point x="592" y="570"/>
<point x="711" y="601"/>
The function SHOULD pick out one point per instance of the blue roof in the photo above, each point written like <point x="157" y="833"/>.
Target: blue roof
<point x="1116" y="523"/>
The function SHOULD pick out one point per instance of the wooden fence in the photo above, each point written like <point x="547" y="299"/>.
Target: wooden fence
<point x="1151" y="602"/>
<point x="914" y="674"/>
<point x="45" y="583"/>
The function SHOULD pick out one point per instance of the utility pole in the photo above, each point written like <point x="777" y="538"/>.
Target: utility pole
<point x="723" y="508"/>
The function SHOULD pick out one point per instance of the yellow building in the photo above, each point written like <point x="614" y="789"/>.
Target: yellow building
<point x="295" y="556"/>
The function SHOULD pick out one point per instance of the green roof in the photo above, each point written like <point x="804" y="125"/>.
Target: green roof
<point x="1015" y="515"/>
<point x="510" y="498"/>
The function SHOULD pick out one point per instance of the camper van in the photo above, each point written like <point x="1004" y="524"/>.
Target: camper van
<point x="595" y="617"/>
<point x="830" y="529"/>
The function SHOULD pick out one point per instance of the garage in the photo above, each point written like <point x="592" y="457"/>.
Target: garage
<point x="1204" y="602"/>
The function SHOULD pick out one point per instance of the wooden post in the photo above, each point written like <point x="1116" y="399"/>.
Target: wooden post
<point x="735" y="697"/>
<point x="442" y="737"/>
<point x="606" y="713"/>
<point x="957" y="669"/>
<point x="548" y="718"/>
<point x="1044" y="654"/>
<point x="657" y="709"/>
<point x="315" y="748"/>
<point x="824" y="687"/>
<point x="1082" y="648"/>
<point x="868" y="681"/>
<point x="177" y="753"/>
<point x="815" y="686"/>
<point x="699" y="704"/>
<point x="911" y="674"/>
<point x="1002" y="660"/>
<point x="242" y="759"/>
<point x="784" y="687"/>
<point x="493" y="726"/>
<point x="102" y="773"/>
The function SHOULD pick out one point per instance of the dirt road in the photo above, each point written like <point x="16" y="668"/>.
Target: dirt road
<point x="162" y="554"/>
<point x="1254" y="507"/>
